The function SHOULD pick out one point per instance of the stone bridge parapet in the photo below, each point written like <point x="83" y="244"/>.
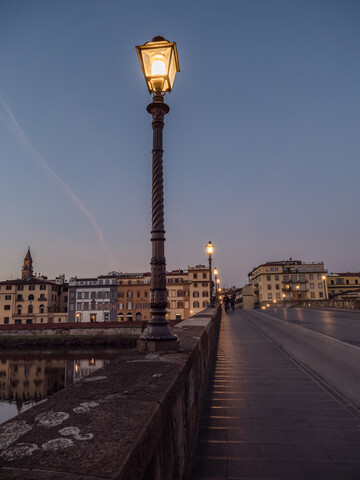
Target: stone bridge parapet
<point x="134" y="419"/>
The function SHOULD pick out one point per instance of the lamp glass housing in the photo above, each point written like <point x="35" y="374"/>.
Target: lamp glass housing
<point x="210" y="248"/>
<point x="159" y="64"/>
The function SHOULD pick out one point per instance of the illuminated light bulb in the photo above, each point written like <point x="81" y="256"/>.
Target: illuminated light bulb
<point x="158" y="67"/>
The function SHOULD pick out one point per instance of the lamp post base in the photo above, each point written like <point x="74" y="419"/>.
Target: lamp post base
<point x="158" y="345"/>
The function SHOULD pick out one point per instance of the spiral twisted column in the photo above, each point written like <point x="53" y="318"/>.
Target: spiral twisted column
<point x="158" y="326"/>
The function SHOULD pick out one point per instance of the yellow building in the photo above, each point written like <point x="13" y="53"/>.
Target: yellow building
<point x="288" y="281"/>
<point x="32" y="299"/>
<point x="343" y="283"/>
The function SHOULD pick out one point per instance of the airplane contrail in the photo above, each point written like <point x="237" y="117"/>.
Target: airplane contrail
<point x="23" y="141"/>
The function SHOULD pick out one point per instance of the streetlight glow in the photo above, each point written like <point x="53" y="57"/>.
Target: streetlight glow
<point x="210" y="248"/>
<point x="159" y="63"/>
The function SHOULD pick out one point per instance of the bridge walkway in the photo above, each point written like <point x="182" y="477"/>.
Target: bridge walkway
<point x="265" y="417"/>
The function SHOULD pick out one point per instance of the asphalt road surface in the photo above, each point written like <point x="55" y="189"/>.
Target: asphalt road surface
<point x="342" y="325"/>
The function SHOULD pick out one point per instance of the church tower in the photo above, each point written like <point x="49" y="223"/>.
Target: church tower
<point x="27" y="270"/>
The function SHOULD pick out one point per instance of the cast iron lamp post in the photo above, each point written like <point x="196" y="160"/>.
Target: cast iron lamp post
<point x="159" y="63"/>
<point x="210" y="251"/>
<point x="324" y="278"/>
<point x="215" y="280"/>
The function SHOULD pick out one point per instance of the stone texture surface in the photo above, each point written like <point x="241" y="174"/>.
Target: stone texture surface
<point x="133" y="419"/>
<point x="265" y="418"/>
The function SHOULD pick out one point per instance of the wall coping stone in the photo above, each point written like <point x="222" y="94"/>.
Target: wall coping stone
<point x="113" y="424"/>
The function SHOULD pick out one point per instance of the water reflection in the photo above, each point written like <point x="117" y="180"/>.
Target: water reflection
<point x="25" y="379"/>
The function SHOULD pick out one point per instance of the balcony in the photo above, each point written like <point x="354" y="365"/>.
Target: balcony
<point x="42" y="299"/>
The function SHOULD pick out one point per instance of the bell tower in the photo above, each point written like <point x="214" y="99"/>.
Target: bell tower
<point x="27" y="270"/>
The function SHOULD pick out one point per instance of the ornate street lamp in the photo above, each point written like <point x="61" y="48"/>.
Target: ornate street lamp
<point x="159" y="63"/>
<point x="210" y="251"/>
<point x="216" y="284"/>
<point x="324" y="281"/>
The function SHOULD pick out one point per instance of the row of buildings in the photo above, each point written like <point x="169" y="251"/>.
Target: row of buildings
<point x="107" y="298"/>
<point x="292" y="281"/>
<point x="121" y="297"/>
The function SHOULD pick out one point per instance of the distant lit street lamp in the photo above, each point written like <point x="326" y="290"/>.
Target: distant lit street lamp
<point x="216" y="279"/>
<point x="284" y="298"/>
<point x="159" y="63"/>
<point x="298" y="288"/>
<point x="210" y="251"/>
<point x="324" y="280"/>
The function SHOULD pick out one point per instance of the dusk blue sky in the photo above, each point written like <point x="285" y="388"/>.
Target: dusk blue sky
<point x="261" y="145"/>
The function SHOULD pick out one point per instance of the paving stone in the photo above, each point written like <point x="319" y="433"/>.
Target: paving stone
<point x="266" y="418"/>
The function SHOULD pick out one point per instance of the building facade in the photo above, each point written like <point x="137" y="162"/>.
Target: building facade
<point x="33" y="299"/>
<point x="343" y="283"/>
<point x="92" y="299"/>
<point x="288" y="281"/>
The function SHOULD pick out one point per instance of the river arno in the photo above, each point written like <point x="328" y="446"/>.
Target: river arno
<point x="29" y="377"/>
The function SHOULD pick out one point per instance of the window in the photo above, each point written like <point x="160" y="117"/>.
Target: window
<point x="278" y="296"/>
<point x="6" y="307"/>
<point x="129" y="317"/>
<point x="86" y="306"/>
<point x="320" y="285"/>
<point x="137" y="294"/>
<point x="138" y="305"/>
<point x="269" y="286"/>
<point x="92" y="294"/>
<point x="356" y="282"/>
<point x="180" y="293"/>
<point x="146" y="305"/>
<point x="312" y="295"/>
<point x="18" y="321"/>
<point x="42" y="287"/>
<point x="31" y="297"/>
<point x="347" y="282"/>
<point x="319" y="277"/>
<point x="30" y="309"/>
<point x="196" y="304"/>
<point x="28" y="321"/>
<point x="121" y="294"/>
<point x="195" y="275"/>
<point x="78" y="306"/>
<point x="311" y="276"/>
<point x="269" y="296"/>
<point x="79" y="295"/>
<point x="205" y="304"/>
<point x="120" y="317"/>
<point x="19" y="310"/>
<point x="196" y="294"/>
<point x="312" y="285"/>
<point x="178" y="316"/>
<point x="42" y="309"/>
<point x="268" y="278"/>
<point x="277" y="286"/>
<point x="180" y="305"/>
<point x="92" y="317"/>
<point x="8" y="287"/>
<point x="6" y="319"/>
<point x="195" y="285"/>
<point x="321" y="295"/>
<point x="20" y="287"/>
<point x="7" y="297"/>
<point x="129" y="295"/>
<point x="129" y="305"/>
<point x="204" y="275"/>
<point x="277" y="278"/>
<point x="205" y="284"/>
<point x="86" y="294"/>
<point x="138" y="317"/>
<point x="121" y="306"/>
<point x="106" y="317"/>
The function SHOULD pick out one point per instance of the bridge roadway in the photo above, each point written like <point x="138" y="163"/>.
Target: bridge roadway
<point x="266" y="415"/>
